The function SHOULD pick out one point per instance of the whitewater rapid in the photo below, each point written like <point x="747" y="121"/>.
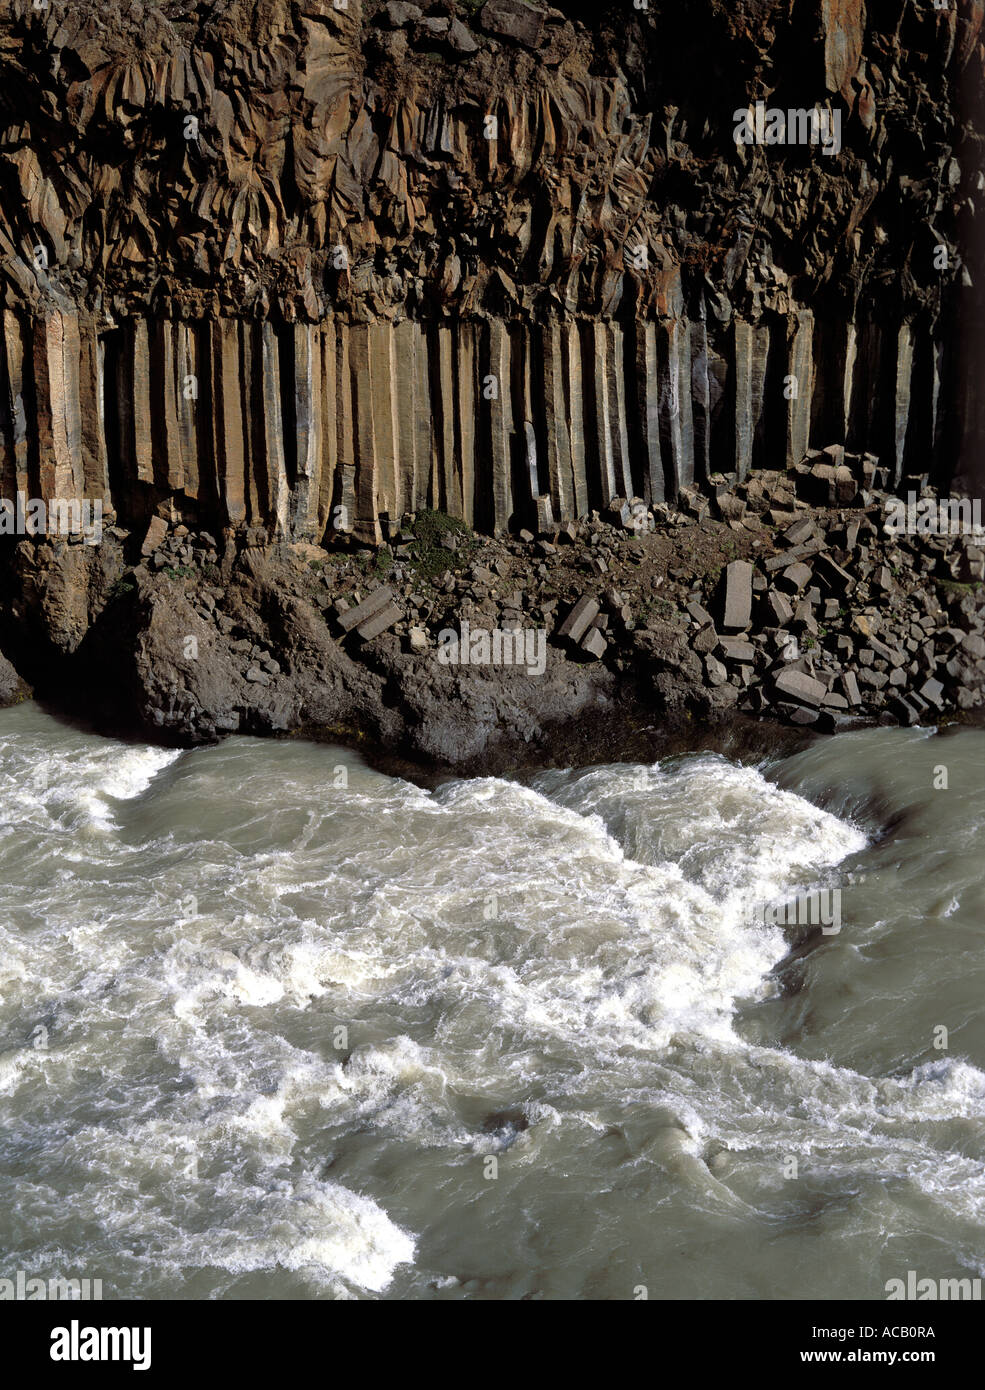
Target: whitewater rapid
<point x="263" y="1025"/>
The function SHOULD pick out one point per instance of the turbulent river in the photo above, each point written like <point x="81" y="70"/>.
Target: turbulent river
<point x="276" y="1025"/>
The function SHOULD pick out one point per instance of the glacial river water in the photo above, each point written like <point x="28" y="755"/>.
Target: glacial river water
<point x="273" y="1024"/>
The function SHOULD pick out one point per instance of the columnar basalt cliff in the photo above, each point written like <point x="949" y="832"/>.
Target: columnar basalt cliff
<point x="271" y="263"/>
<point x="637" y="293"/>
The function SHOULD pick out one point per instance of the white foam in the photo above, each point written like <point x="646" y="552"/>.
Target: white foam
<point x="319" y="1229"/>
<point x="122" y="778"/>
<point x="59" y="788"/>
<point x="556" y="950"/>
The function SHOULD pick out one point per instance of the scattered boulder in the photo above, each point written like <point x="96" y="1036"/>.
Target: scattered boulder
<point x="799" y="686"/>
<point x="513" y="19"/>
<point x="594" y="644"/>
<point x="580" y="619"/>
<point x="350" y="618"/>
<point x="12" y="688"/>
<point x="737" y="607"/>
<point x="379" y="621"/>
<point x="157" y="530"/>
<point x="401" y="12"/>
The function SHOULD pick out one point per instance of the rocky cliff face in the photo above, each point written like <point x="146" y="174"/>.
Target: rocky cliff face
<point x="314" y="265"/>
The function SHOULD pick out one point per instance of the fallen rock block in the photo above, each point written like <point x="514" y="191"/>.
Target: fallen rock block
<point x="513" y="19"/>
<point x="797" y="552"/>
<point x="734" y="649"/>
<point x="780" y="607"/>
<point x="850" y="686"/>
<point x="731" y="508"/>
<point x="845" y="486"/>
<point x="905" y="712"/>
<point x="890" y="654"/>
<point x="933" y="692"/>
<point x="580" y="619"/>
<point x="796" y="576"/>
<point x="355" y="617"/>
<point x="379" y="622"/>
<point x="799" y="686"/>
<point x="715" y="671"/>
<point x="833" y="575"/>
<point x="460" y="39"/>
<point x="594" y="644"/>
<point x="401" y="12"/>
<point x="799" y="532"/>
<point x="737" y="611"/>
<point x="157" y="531"/>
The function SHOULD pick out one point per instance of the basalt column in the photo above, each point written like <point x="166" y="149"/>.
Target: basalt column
<point x="308" y="428"/>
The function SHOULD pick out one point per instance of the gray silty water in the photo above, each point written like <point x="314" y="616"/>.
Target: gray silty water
<point x="267" y="1017"/>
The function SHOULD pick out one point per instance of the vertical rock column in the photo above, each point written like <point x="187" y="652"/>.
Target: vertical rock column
<point x="838" y="380"/>
<point x="604" y="426"/>
<point x="344" y="491"/>
<point x="903" y="344"/>
<point x="424" y="422"/>
<point x="366" y="520"/>
<point x="14" y="418"/>
<point x="329" y="433"/>
<point x="229" y="449"/>
<point x="648" y="412"/>
<point x="559" y="469"/>
<point x="95" y="460"/>
<point x="174" y="400"/>
<point x="800" y="386"/>
<point x="751" y="346"/>
<point x="700" y="397"/>
<point x="935" y="391"/>
<point x="675" y="409"/>
<point x="449" y="483"/>
<point x="620" y="405"/>
<point x="530" y="409"/>
<point x="405" y="346"/>
<point x="135" y="402"/>
<point x="500" y="423"/>
<point x="272" y="464"/>
<point x="466" y="415"/>
<point x="574" y="399"/>
<point x="382" y="393"/>
<point x="308" y="432"/>
<point x="57" y="352"/>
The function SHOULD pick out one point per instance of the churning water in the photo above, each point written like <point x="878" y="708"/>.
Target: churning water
<point x="276" y="1025"/>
